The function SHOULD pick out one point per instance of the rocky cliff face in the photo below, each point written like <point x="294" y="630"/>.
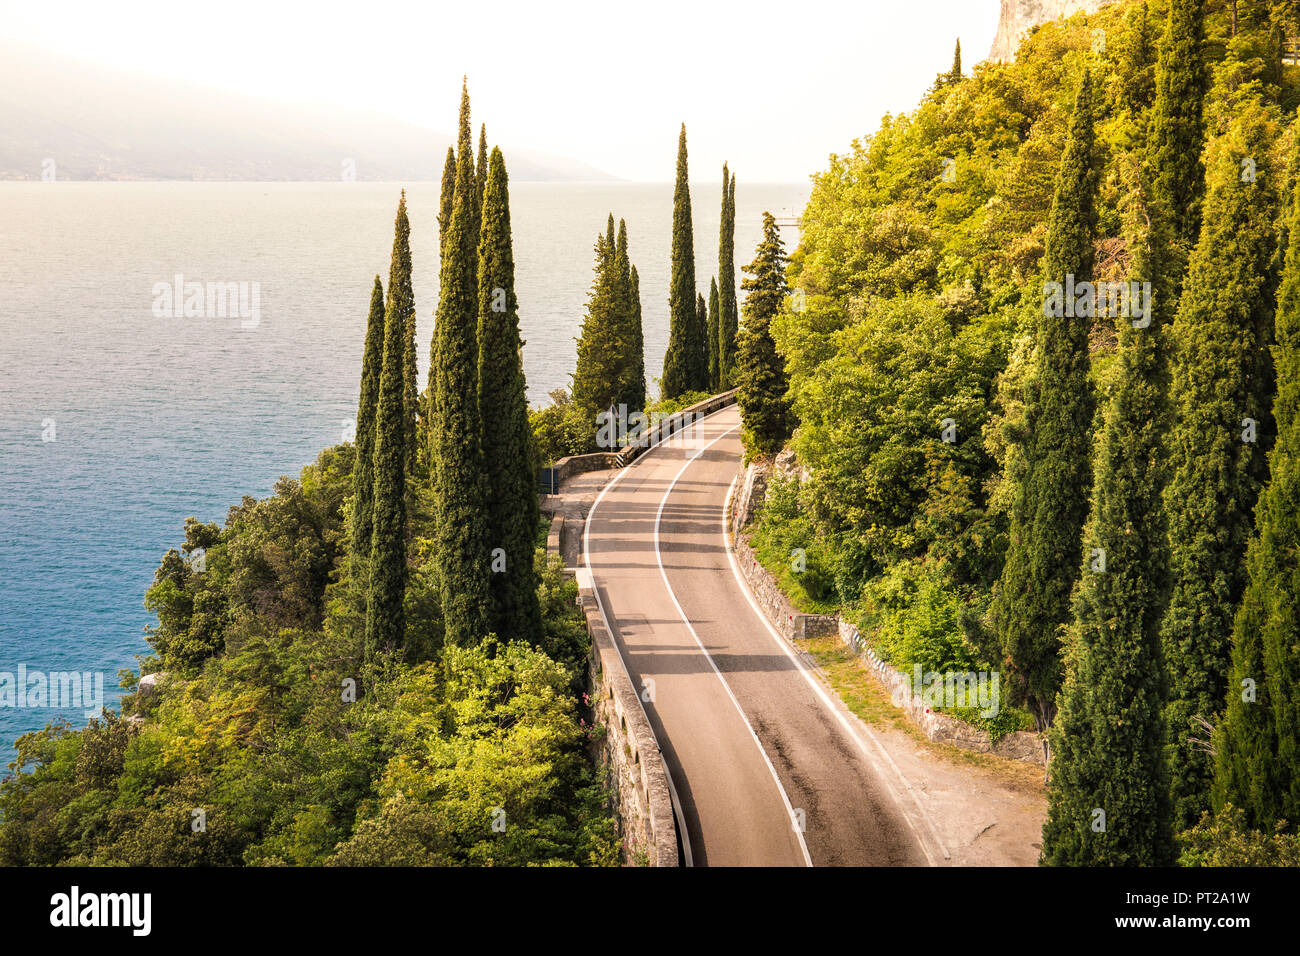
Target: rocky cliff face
<point x="1019" y="15"/>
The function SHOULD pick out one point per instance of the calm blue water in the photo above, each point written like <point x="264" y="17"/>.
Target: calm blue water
<point x="154" y="419"/>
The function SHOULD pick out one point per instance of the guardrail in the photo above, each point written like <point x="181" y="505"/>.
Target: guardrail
<point x="550" y="479"/>
<point x="669" y="426"/>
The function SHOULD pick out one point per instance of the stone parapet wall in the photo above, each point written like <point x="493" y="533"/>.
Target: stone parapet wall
<point x="629" y="752"/>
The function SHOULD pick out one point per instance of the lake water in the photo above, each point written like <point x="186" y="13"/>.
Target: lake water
<point x="116" y="424"/>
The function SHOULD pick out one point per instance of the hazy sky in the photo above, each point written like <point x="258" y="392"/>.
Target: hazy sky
<point x="771" y="87"/>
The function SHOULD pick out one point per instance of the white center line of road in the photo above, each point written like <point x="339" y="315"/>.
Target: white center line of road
<point x="813" y="682"/>
<point x="690" y="627"/>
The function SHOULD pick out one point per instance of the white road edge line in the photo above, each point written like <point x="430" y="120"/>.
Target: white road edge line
<point x="817" y="687"/>
<point x="682" y="832"/>
<point x="785" y="797"/>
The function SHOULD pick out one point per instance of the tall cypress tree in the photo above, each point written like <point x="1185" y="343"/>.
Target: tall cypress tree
<point x="1221" y="377"/>
<point x="455" y="450"/>
<point x="465" y="153"/>
<point x="954" y="75"/>
<point x="1032" y="600"/>
<point x="632" y="374"/>
<point x="1257" y="752"/>
<point x="363" y="472"/>
<point x="481" y="172"/>
<point x="401" y="295"/>
<point x="599" y="378"/>
<point x="728" y="317"/>
<point x="715" y="338"/>
<point x="385" y="617"/>
<point x="702" y="320"/>
<point x="447" y="199"/>
<point x="512" y="513"/>
<point x="1108" y="737"/>
<point x="1178" y="130"/>
<point x="766" y="418"/>
<point x="686" y="363"/>
<point x="636" y="394"/>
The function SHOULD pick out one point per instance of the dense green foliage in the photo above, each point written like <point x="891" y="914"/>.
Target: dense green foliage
<point x="560" y="428"/>
<point x="686" y="363"/>
<point x="287" y="766"/>
<point x="511" y="503"/>
<point x="947" y="439"/>
<point x="760" y="373"/>
<point x="1227" y="840"/>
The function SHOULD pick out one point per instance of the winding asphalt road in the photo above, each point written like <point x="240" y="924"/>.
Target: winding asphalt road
<point x="767" y="768"/>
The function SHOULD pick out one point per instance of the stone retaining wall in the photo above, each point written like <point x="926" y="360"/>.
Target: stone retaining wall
<point x="789" y="620"/>
<point x="942" y="728"/>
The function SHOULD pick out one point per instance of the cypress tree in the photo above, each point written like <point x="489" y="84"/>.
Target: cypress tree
<point x="599" y="378"/>
<point x="954" y="76"/>
<point x="448" y="197"/>
<point x="1257" y="755"/>
<point x="715" y="339"/>
<point x="686" y="367"/>
<point x="512" y="513"/>
<point x="385" y="617"/>
<point x="402" y="296"/>
<point x="455" y="450"/>
<point x="465" y="153"/>
<point x="450" y="176"/>
<point x="1221" y="378"/>
<point x="1108" y="737"/>
<point x="710" y="359"/>
<point x="636" y="394"/>
<point x="632" y="363"/>
<point x="729" y="319"/>
<point x="363" y="473"/>
<point x="446" y="201"/>
<point x="765" y="414"/>
<point x="1178" y="130"/>
<point x="480" y="175"/>
<point x="1050" y="504"/>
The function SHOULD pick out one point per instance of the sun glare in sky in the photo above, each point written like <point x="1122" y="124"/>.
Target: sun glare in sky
<point x="773" y="87"/>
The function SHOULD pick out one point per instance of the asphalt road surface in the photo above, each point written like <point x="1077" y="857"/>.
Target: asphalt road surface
<point x="767" y="768"/>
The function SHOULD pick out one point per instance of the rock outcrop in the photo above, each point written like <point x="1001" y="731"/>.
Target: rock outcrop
<point x="1020" y="15"/>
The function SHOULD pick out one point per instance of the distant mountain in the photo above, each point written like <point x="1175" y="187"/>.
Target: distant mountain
<point x="100" y="123"/>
